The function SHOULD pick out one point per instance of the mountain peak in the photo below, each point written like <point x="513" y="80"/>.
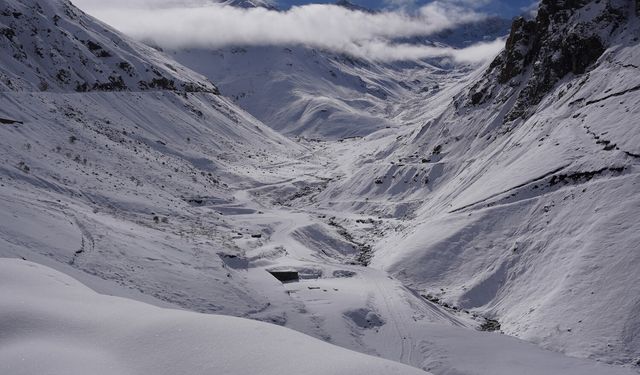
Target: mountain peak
<point x="351" y="6"/>
<point x="248" y="4"/>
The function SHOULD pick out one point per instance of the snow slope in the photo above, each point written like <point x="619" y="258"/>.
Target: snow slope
<point x="319" y="94"/>
<point x="54" y="46"/>
<point x="53" y="324"/>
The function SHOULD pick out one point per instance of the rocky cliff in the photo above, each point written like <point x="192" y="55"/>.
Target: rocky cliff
<point x="566" y="37"/>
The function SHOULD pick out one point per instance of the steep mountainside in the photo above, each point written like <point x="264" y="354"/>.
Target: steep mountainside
<point x="53" y="46"/>
<point x="139" y="149"/>
<point x="520" y="196"/>
<point x="565" y="38"/>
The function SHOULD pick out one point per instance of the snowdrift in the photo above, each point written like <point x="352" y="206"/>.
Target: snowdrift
<point x="52" y="324"/>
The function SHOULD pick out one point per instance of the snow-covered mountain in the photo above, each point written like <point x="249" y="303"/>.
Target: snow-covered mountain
<point x="504" y="199"/>
<point x="319" y="94"/>
<point x="520" y="196"/>
<point x="157" y="144"/>
<point x="351" y="6"/>
<point x="250" y="4"/>
<point x="467" y="34"/>
<point x="54" y="47"/>
<point x="301" y="91"/>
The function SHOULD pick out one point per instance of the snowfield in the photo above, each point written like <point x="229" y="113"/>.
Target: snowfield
<point x="51" y="324"/>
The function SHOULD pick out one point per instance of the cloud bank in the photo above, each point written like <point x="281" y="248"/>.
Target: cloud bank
<point x="177" y="24"/>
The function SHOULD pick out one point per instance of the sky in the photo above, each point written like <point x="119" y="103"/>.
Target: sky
<point x="504" y="8"/>
<point x="180" y="24"/>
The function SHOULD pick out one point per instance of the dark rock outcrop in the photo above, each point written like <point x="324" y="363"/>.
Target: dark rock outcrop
<point x="566" y="37"/>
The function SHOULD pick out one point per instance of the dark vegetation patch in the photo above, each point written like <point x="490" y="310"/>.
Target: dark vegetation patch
<point x="7" y="121"/>
<point x="490" y="325"/>
<point x="116" y="83"/>
<point x="581" y="177"/>
<point x="8" y="33"/>
<point x="161" y="83"/>
<point x="364" y="251"/>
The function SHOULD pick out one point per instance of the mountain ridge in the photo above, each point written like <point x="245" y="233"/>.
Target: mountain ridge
<point x="107" y="61"/>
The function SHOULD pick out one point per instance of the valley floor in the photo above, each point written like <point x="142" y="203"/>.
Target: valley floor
<point x="277" y="226"/>
<point x="341" y="300"/>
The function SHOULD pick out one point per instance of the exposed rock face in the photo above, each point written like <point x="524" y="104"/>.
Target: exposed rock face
<point x="566" y="37"/>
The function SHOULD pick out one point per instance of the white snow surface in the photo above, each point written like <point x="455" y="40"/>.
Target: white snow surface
<point x="51" y="324"/>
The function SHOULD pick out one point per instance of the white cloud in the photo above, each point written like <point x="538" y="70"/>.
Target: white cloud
<point x="531" y="11"/>
<point x="385" y="51"/>
<point x="175" y="24"/>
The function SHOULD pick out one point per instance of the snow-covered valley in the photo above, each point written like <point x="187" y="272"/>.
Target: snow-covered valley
<point x="421" y="229"/>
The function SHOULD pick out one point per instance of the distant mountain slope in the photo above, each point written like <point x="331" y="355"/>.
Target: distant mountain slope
<point x="305" y="92"/>
<point x="250" y="4"/>
<point x="351" y="6"/>
<point x="301" y="91"/>
<point x="466" y="34"/>
<point x="314" y="93"/>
